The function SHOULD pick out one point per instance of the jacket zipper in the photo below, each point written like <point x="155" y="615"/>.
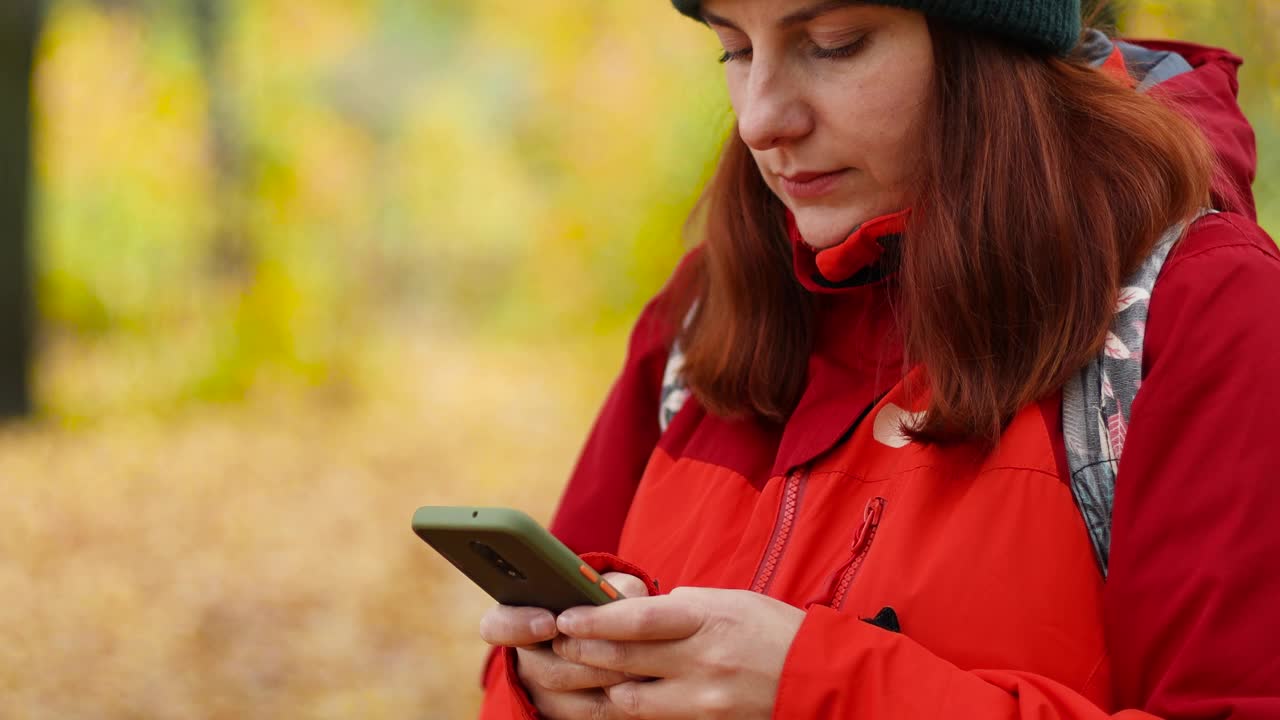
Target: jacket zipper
<point x="788" y="510"/>
<point x="860" y="547"/>
<point x="838" y="583"/>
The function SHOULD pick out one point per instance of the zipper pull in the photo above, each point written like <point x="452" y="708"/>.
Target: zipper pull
<point x="871" y="515"/>
<point x="870" y="518"/>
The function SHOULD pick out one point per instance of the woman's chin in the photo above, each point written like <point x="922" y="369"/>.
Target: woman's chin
<point x="824" y="227"/>
<point x="823" y="233"/>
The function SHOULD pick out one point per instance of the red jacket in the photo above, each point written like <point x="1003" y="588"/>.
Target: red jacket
<point x="1001" y="610"/>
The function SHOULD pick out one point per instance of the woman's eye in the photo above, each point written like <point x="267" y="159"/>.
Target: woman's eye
<point x="843" y="51"/>
<point x="835" y="53"/>
<point x="731" y="55"/>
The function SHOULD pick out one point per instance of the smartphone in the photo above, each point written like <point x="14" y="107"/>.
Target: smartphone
<point x="511" y="557"/>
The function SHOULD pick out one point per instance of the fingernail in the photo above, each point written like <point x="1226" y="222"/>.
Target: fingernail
<point x="568" y="620"/>
<point x="543" y="625"/>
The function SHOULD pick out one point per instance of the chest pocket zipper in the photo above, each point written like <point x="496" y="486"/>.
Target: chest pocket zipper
<point x="836" y="589"/>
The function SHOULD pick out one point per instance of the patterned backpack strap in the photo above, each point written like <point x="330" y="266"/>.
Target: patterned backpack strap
<point x="1098" y="401"/>
<point x="675" y="393"/>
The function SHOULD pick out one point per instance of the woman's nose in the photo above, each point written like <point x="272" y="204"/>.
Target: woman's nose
<point x="772" y="110"/>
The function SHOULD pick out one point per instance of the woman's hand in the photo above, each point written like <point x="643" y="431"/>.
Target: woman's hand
<point x="559" y="688"/>
<point x="715" y="653"/>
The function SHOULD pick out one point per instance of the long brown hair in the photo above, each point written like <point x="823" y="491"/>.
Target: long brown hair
<point x="1043" y="183"/>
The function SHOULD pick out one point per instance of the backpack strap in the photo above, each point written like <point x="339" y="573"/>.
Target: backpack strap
<point x="1097" y="403"/>
<point x="675" y="393"/>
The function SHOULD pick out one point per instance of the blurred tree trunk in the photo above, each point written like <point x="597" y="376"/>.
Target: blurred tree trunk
<point x="230" y="249"/>
<point x="19" y="26"/>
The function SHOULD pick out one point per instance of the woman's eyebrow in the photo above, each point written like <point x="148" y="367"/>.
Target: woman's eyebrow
<point x="803" y="15"/>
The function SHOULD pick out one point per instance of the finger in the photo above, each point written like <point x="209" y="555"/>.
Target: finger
<point x="669" y="699"/>
<point x="629" y="585"/>
<point x="586" y="705"/>
<point x="543" y="668"/>
<point x="637" y="659"/>
<point x="664" y="617"/>
<point x="510" y="626"/>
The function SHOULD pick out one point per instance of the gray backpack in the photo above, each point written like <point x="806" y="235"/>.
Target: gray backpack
<point x="1097" y="403"/>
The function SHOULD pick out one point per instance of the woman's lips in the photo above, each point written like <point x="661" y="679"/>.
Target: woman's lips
<point x="811" y="184"/>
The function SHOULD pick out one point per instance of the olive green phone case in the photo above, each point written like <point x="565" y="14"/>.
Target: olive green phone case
<point x="512" y="557"/>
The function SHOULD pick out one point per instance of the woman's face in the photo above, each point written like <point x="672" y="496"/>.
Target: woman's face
<point x="829" y="98"/>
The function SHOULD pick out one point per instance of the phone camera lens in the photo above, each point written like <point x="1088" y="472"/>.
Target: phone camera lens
<point x="497" y="560"/>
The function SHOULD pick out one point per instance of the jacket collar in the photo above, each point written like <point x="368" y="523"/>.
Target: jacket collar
<point x="868" y="255"/>
<point x="857" y="354"/>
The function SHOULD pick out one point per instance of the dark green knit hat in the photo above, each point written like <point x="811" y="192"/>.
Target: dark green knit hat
<point x="1052" y="25"/>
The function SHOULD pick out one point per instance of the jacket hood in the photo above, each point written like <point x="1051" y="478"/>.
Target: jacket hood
<point x="1202" y="82"/>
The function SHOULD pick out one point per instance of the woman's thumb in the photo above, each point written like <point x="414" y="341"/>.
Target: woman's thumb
<point x="629" y="585"/>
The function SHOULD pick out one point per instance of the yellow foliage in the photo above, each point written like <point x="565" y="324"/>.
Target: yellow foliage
<point x="256" y="561"/>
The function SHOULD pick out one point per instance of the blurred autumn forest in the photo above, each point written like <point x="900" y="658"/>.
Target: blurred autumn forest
<point x="274" y="273"/>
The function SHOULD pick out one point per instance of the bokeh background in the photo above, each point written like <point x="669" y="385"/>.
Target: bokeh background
<point x="301" y="266"/>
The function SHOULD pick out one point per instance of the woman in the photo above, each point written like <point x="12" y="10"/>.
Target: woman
<point x="914" y="243"/>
